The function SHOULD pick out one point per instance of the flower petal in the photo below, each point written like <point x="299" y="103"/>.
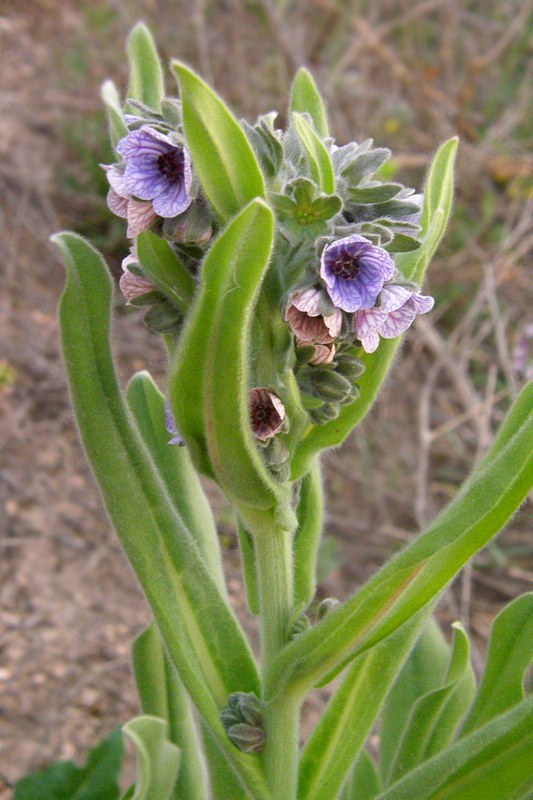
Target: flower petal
<point x="422" y="303"/>
<point x="394" y="296"/>
<point x="345" y="294"/>
<point x="173" y="200"/>
<point x="117" y="204"/>
<point x="308" y="301"/>
<point x="144" y="142"/>
<point x="141" y="216"/>
<point x="397" y="321"/>
<point x="145" y="182"/>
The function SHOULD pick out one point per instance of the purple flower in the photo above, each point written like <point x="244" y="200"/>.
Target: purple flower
<point x="139" y="213"/>
<point x="157" y="169"/>
<point x="397" y="310"/>
<point x="354" y="271"/>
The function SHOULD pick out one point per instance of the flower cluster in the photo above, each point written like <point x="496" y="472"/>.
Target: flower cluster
<point x="333" y="252"/>
<point x="359" y="278"/>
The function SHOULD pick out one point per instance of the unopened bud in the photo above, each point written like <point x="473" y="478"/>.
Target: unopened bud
<point x="326" y="607"/>
<point x="247" y="738"/>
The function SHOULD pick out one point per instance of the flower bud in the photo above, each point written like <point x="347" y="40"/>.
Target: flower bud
<point x="247" y="738"/>
<point x="194" y="226"/>
<point x="247" y="707"/>
<point x="267" y="413"/>
<point x="303" y="313"/>
<point x="325" y="413"/>
<point x="133" y="286"/>
<point x="327" y="605"/>
<point x="324" y="354"/>
<point x="330" y="385"/>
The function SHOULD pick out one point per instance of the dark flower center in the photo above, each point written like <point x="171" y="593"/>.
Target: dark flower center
<point x="263" y="413"/>
<point x="171" y="165"/>
<point x="345" y="266"/>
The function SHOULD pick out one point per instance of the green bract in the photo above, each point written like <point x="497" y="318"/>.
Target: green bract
<point x="265" y="372"/>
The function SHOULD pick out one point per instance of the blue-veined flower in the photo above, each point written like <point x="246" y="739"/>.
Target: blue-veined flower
<point x="156" y="169"/>
<point x="139" y="213"/>
<point x="397" y="309"/>
<point x="354" y="271"/>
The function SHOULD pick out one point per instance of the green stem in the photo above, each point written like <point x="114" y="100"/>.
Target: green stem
<point x="275" y="574"/>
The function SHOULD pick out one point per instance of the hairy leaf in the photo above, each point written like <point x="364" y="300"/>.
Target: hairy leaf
<point x="305" y="98"/>
<point x="221" y="153"/>
<point x="146" y="75"/>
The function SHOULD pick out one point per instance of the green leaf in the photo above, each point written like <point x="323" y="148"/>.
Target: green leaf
<point x="482" y="507"/>
<point x="377" y="365"/>
<point x="147" y="405"/>
<point x="343" y="728"/>
<point x="374" y="192"/>
<point x="201" y="633"/>
<point x="363" y="783"/>
<point x="423" y="672"/>
<point x="320" y="161"/>
<point x="403" y="244"/>
<point x="509" y="657"/>
<point x="496" y="757"/>
<point x="310" y="514"/>
<point x="160" y="262"/>
<point x="146" y="74"/>
<point x="221" y="153"/>
<point x="117" y="127"/>
<point x="63" y="780"/>
<point x="209" y="378"/>
<point x="162" y="695"/>
<point x="242" y="257"/>
<point x="305" y="98"/>
<point x="430" y="726"/>
<point x="158" y="759"/>
<point x="223" y="781"/>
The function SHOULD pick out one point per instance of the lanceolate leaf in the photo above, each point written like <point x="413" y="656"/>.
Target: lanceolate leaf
<point x="200" y="632"/>
<point x="437" y="206"/>
<point x="221" y="153"/>
<point x="510" y="655"/>
<point x="321" y="166"/>
<point x="175" y="467"/>
<point x="423" y="672"/>
<point x="483" y="506"/>
<point x="305" y="98"/>
<point x="161" y="263"/>
<point x="63" y="780"/>
<point x="363" y="783"/>
<point x="117" y="127"/>
<point x="162" y="695"/>
<point x="341" y="732"/>
<point x="427" y="718"/>
<point x="158" y="759"/>
<point x="146" y="74"/>
<point x="233" y="453"/>
<point x="494" y="757"/>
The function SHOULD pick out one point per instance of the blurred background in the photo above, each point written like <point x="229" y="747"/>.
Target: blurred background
<point x="409" y="73"/>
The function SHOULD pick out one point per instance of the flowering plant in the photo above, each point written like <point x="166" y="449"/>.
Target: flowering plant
<point x="280" y="271"/>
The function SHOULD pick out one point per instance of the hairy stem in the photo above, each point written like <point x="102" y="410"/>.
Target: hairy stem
<point x="275" y="573"/>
